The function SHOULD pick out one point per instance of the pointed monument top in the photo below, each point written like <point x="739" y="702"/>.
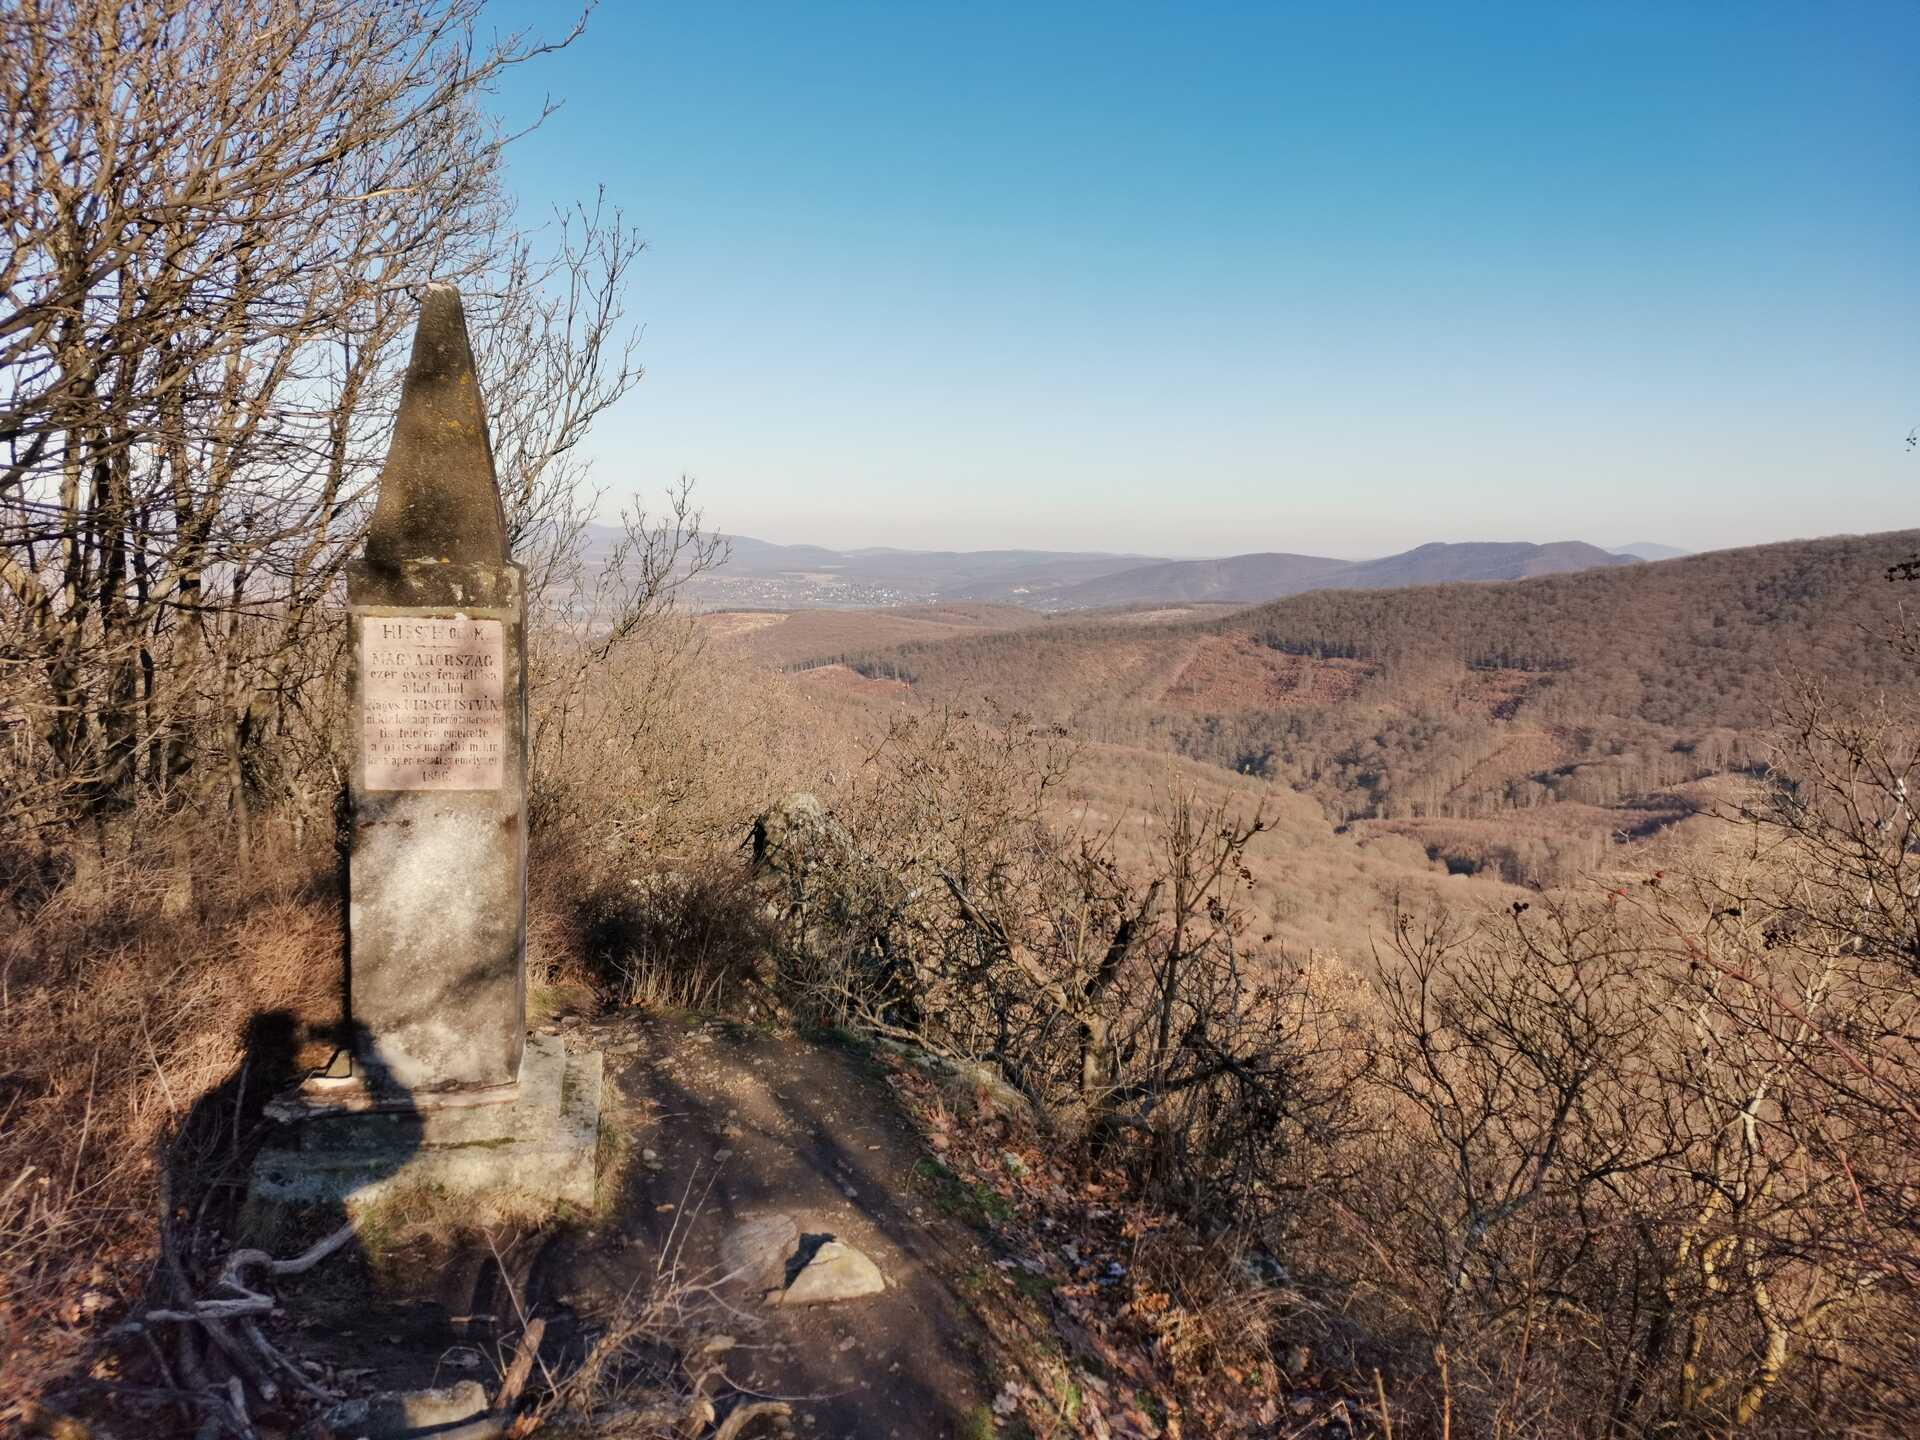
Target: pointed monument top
<point x="439" y="499"/>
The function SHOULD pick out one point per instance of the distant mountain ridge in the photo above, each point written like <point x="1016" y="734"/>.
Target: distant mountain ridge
<point x="1697" y="644"/>
<point x="1236" y="578"/>
<point x="1254" y="579"/>
<point x="762" y="574"/>
<point x="1647" y="550"/>
<point x="952" y="574"/>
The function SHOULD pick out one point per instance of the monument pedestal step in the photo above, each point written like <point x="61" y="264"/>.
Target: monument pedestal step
<point x="535" y="1152"/>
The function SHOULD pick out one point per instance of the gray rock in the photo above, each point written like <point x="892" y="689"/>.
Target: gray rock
<point x="760" y="1254"/>
<point x="836" y="1272"/>
<point x="398" y="1414"/>
<point x="756" y="1252"/>
<point x="522" y="1158"/>
<point x="796" y="838"/>
<point x="982" y="1083"/>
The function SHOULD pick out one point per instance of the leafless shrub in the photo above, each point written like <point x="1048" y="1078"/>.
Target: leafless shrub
<point x="613" y="663"/>
<point x="198" y="349"/>
<point x="1201" y="1301"/>
<point x="1642" y="1163"/>
<point x="945" y="909"/>
<point x="673" y="938"/>
<point x="656" y="1365"/>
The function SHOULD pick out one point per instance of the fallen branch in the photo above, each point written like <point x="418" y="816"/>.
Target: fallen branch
<point x="213" y="1315"/>
<point x="216" y="1329"/>
<point x="259" y="1341"/>
<point x="521" y="1368"/>
<point x="243" y="1260"/>
<point x="214" y="1310"/>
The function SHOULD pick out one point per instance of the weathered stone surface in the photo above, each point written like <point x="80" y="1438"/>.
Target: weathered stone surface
<point x="514" y="1158"/>
<point x="991" y="1090"/>
<point x="437" y="1093"/>
<point x="439" y="500"/>
<point x="836" y="1272"/>
<point x="773" y="1257"/>
<point x="437" y="883"/>
<point x="970" y="1082"/>
<point x="797" y="836"/>
<point x="400" y="1415"/>
<point x="436" y="915"/>
<point x="756" y="1252"/>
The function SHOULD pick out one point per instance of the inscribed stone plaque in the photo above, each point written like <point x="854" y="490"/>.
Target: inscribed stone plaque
<point x="432" y="707"/>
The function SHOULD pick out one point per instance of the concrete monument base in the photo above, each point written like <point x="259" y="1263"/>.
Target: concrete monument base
<point x="532" y="1149"/>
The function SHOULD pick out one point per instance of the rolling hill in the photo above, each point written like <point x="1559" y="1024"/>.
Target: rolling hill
<point x="1244" y="578"/>
<point x="1250" y="579"/>
<point x="1565" y="711"/>
<point x="1442" y="564"/>
<point x="761" y="575"/>
<point x="757" y="572"/>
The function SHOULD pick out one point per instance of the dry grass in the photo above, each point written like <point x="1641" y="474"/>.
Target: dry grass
<point x="1202" y="1300"/>
<point x="655" y="1366"/>
<point x="673" y="939"/>
<point x="779" y="639"/>
<point x="125" y="1011"/>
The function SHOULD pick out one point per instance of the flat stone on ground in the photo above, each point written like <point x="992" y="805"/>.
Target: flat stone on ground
<point x="836" y="1272"/>
<point x="756" y="1252"/>
<point x="787" y="1262"/>
<point x="401" y="1415"/>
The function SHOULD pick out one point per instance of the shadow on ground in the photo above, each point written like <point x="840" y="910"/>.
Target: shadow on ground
<point x="704" y="1125"/>
<point x="720" y="1125"/>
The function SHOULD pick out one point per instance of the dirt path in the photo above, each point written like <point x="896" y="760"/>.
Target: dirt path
<point x="740" y="1124"/>
<point x="704" y="1125"/>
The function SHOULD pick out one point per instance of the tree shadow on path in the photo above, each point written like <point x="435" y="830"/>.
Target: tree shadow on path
<point x="220" y="1244"/>
<point x="741" y="1126"/>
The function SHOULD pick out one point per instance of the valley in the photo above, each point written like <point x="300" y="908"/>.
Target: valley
<point x="757" y="574"/>
<point x="1525" y="733"/>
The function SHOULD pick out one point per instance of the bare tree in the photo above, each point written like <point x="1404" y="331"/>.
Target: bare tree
<point x="554" y="354"/>
<point x="216" y="217"/>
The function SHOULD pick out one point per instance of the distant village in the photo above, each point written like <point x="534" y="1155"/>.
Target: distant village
<point x="811" y="589"/>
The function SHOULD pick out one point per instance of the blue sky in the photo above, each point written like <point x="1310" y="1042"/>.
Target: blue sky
<point x="1210" y="278"/>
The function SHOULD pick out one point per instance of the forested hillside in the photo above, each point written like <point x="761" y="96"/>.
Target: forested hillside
<point x="1601" y="696"/>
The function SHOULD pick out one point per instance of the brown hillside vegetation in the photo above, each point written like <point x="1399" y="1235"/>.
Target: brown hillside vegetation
<point x="1228" y="673"/>
<point x="1310" y="891"/>
<point x="848" y="681"/>
<point x="1699" y="641"/>
<point x="784" y="637"/>
<point x="1174" y="1029"/>
<point x="1592" y="694"/>
<point x="1250" y="579"/>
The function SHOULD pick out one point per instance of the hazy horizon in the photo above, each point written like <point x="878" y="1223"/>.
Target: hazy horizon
<point x="1252" y="277"/>
<point x="1618" y="547"/>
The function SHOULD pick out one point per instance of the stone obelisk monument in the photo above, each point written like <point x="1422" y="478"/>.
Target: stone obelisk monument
<point x="442" y="1086"/>
<point x="438" y="864"/>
